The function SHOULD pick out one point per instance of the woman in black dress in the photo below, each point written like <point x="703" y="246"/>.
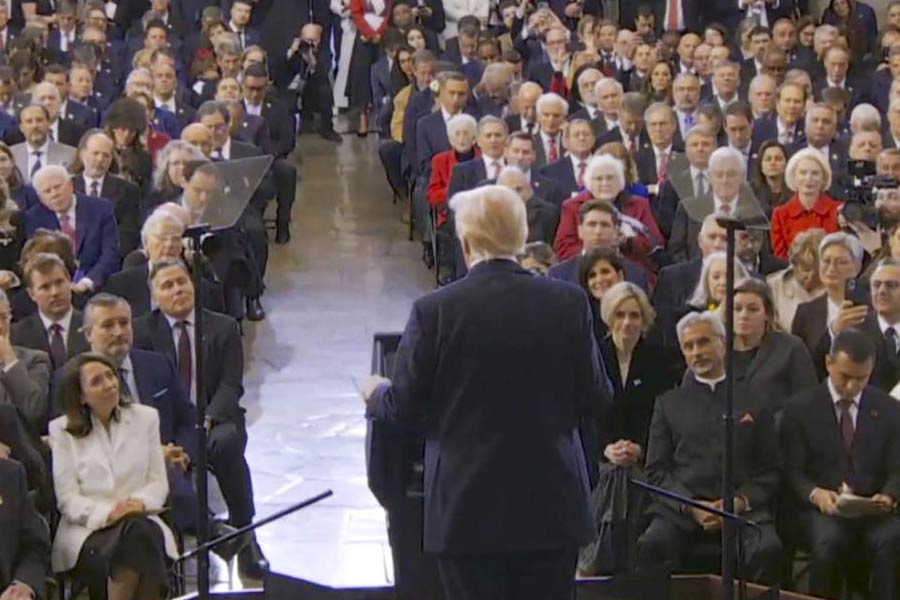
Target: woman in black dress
<point x="598" y="271"/>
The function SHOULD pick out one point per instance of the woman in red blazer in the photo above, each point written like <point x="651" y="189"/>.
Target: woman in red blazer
<point x="808" y="175"/>
<point x="462" y="130"/>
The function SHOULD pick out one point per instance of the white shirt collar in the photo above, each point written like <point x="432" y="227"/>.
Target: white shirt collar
<point x="489" y="164"/>
<point x="66" y="322"/>
<point x="89" y="180"/>
<point x="43" y="149"/>
<point x="172" y="321"/>
<point x="883" y="325"/>
<point x="575" y="160"/>
<point x="478" y="261"/>
<point x="835" y="397"/>
<point x="168" y="104"/>
<point x="712" y="383"/>
<point x="225" y="150"/>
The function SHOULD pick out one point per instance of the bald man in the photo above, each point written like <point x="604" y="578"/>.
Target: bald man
<point x="526" y="104"/>
<point x="200" y="136"/>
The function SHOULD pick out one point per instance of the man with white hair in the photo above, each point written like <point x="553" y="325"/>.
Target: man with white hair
<point x="523" y="407"/>
<point x="526" y="102"/>
<point x="38" y="149"/>
<point x="865" y="117"/>
<point x="761" y="95"/>
<point x="551" y="114"/>
<point x="727" y="174"/>
<point x="61" y="130"/>
<point x="680" y="460"/>
<point x="543" y="216"/>
<point x="588" y="109"/>
<point x="88" y="222"/>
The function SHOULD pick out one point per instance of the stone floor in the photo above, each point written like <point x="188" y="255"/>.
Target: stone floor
<point x="348" y="272"/>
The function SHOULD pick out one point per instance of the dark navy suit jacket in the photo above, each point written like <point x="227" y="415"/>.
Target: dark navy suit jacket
<point x="431" y="139"/>
<point x="96" y="233"/>
<point x="500" y="369"/>
<point x="159" y="386"/>
<point x="766" y="128"/>
<point x="567" y="270"/>
<point x="562" y="172"/>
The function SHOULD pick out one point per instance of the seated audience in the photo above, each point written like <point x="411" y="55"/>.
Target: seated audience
<point x="25" y="543"/>
<point x="38" y="150"/>
<point x="709" y="293"/>
<point x="23" y="194"/>
<point x="598" y="271"/>
<point x="543" y="216"/>
<point x="767" y="177"/>
<point x="462" y="131"/>
<point x="537" y="257"/>
<point x="841" y="437"/>
<point x="109" y="536"/>
<point x="799" y="282"/>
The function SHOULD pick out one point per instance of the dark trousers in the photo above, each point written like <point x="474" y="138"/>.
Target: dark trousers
<point x="285" y="175"/>
<point x="416" y="574"/>
<point x="835" y="543"/>
<point x="318" y="98"/>
<point x="665" y="545"/>
<point x="226" y="443"/>
<point x="543" y="575"/>
<point x="391" y="154"/>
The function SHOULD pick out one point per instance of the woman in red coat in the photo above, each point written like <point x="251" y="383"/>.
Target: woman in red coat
<point x="605" y="180"/>
<point x="462" y="130"/>
<point x="808" y="175"/>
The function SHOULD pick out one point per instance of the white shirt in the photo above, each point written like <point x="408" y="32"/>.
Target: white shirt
<point x="575" y="162"/>
<point x="87" y="186"/>
<point x="167" y="104"/>
<point x="70" y="213"/>
<point x="824" y="150"/>
<point x="833" y="310"/>
<point x="65" y="40"/>
<point x="835" y="397"/>
<point x="65" y="323"/>
<point x="176" y="335"/>
<point x="489" y="165"/>
<point x="610" y="123"/>
<point x="447" y="116"/>
<point x="254" y="109"/>
<point x="757" y="10"/>
<point x="130" y="381"/>
<point x="784" y="128"/>
<point x="837" y="84"/>
<point x="546" y="141"/>
<point x="225" y="150"/>
<point x="718" y="203"/>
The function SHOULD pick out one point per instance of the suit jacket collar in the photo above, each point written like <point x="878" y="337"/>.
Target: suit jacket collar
<point x="494" y="266"/>
<point x="821" y="206"/>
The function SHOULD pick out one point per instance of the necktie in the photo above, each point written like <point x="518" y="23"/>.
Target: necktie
<point x="558" y="84"/>
<point x="663" y="165"/>
<point x="688" y="121"/>
<point x="51" y="133"/>
<point x="581" y="168"/>
<point x="37" y="162"/>
<point x="701" y="184"/>
<point x="632" y="146"/>
<point x="552" y="153"/>
<point x="890" y="335"/>
<point x="672" y="16"/>
<point x="217" y="155"/>
<point x="123" y="383"/>
<point x="185" y="366"/>
<point x="725" y="209"/>
<point x="95" y="188"/>
<point x="57" y="346"/>
<point x="496" y="168"/>
<point x="65" y="225"/>
<point x="529" y="127"/>
<point x="848" y="430"/>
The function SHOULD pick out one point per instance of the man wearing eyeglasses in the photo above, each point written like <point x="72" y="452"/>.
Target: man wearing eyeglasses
<point x="882" y="322"/>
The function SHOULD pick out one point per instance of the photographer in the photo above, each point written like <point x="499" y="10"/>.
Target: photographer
<point x="305" y="75"/>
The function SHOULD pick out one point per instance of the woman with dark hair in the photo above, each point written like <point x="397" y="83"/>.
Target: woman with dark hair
<point x="402" y="70"/>
<point x="126" y="123"/>
<point x="658" y="84"/>
<point x="767" y="178"/>
<point x="24" y="195"/>
<point x="416" y="38"/>
<point x="806" y="31"/>
<point x="168" y="178"/>
<point x="110" y="481"/>
<point x="857" y="20"/>
<point x="598" y="271"/>
<point x="27" y="70"/>
<point x="155" y="139"/>
<point x="12" y="237"/>
<point x="715" y="34"/>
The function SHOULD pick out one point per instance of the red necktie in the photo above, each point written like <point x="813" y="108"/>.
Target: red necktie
<point x="553" y="154"/>
<point x="581" y="167"/>
<point x="558" y="84"/>
<point x="65" y="225"/>
<point x="496" y="167"/>
<point x="632" y="146"/>
<point x="95" y="189"/>
<point x="672" y="16"/>
<point x="663" y="165"/>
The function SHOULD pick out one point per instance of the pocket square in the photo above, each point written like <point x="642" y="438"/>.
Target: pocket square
<point x="873" y="413"/>
<point x="161" y="392"/>
<point x="747" y="419"/>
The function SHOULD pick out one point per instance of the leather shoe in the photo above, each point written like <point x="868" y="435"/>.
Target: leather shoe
<point x="282" y="236"/>
<point x="255" y="311"/>
<point x="226" y="550"/>
<point x="252" y="563"/>
<point x="331" y="135"/>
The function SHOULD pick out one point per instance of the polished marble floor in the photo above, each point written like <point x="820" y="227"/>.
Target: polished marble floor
<point x="348" y="272"/>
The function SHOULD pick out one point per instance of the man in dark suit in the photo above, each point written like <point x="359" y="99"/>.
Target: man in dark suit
<point x="569" y="172"/>
<point x="520" y="153"/>
<point x="88" y="222"/>
<point x="526" y="101"/>
<point x="25" y="543"/>
<point x="551" y="116"/>
<point x="492" y="141"/>
<point x="431" y="130"/>
<point x="630" y="131"/>
<point x="241" y="12"/>
<point x="166" y="94"/>
<point x="69" y="110"/>
<point x="837" y="64"/>
<point x="846" y="433"/>
<point x="170" y="330"/>
<point x="685" y="462"/>
<point x="486" y="546"/>
<point x="653" y="162"/>
<point x="750" y="250"/>
<point x="258" y="101"/>
<point x="56" y="326"/>
<point x="95" y="180"/>
<point x="786" y="124"/>
<point x="676" y="282"/>
<point x="149" y="378"/>
<point x="543" y="217"/>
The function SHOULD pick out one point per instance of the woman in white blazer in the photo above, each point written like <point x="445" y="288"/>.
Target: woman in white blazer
<point x="111" y="484"/>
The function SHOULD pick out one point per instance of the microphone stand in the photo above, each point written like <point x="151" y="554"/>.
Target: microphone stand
<point x="194" y="233"/>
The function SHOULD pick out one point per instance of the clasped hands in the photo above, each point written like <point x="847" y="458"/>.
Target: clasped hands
<point x="123" y="508"/>
<point x="623" y="453"/>
<point x="17" y="591"/>
<point x="826" y="501"/>
<point x="712" y="522"/>
<point x="176" y="456"/>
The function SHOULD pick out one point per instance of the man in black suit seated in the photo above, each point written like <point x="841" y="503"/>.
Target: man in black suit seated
<point x="684" y="456"/>
<point x="25" y="543"/>
<point x="170" y="330"/>
<point x="161" y="238"/>
<point x="569" y="171"/>
<point x="786" y="123"/>
<point x="598" y="227"/>
<point x="492" y="141"/>
<point x="551" y="115"/>
<point x="92" y="177"/>
<point x="750" y="250"/>
<point x="56" y="326"/>
<point x="149" y="378"/>
<point x="520" y="153"/>
<point x="69" y="110"/>
<point x="60" y="130"/>
<point x="676" y="282"/>
<point x="586" y="108"/>
<point x="543" y="217"/>
<point x="526" y="101"/>
<point x="486" y="546"/>
<point x="653" y="162"/>
<point x="844" y="435"/>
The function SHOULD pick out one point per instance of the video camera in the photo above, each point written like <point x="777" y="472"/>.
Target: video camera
<point x="862" y="194"/>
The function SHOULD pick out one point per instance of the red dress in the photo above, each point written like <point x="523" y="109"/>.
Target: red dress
<point x="791" y="219"/>
<point x="441" y="169"/>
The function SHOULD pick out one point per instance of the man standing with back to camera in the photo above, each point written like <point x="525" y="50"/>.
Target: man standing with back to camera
<point x="499" y="370"/>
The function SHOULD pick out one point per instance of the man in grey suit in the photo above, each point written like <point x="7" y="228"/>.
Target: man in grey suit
<point x="24" y="377"/>
<point x="38" y="149"/>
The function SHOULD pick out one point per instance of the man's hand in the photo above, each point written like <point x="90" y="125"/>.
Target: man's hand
<point x="706" y="520"/>
<point x="176" y="456"/>
<point x="371" y="383"/>
<point x="81" y="287"/>
<point x="573" y="9"/>
<point x="5" y="450"/>
<point x="7" y="278"/>
<point x="17" y="591"/>
<point x="884" y="502"/>
<point x="824" y="500"/>
<point x="7" y="354"/>
<point x="849" y="316"/>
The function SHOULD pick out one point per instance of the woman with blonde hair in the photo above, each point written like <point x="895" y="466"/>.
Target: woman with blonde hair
<point x="799" y="282"/>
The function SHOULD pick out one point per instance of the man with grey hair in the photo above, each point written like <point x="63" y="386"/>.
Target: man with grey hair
<point x="543" y="216"/>
<point x="60" y="130"/>
<point x="680" y="461"/>
<point x="552" y="110"/>
<point x="761" y="95"/>
<point x="88" y="222"/>
<point x="524" y="407"/>
<point x="492" y="92"/>
<point x="653" y="162"/>
<point x="38" y="149"/>
<point x="686" y="96"/>
<point x="492" y="141"/>
<point x="588" y="109"/>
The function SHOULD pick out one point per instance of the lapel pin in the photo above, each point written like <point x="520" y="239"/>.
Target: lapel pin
<point x="873" y="413"/>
